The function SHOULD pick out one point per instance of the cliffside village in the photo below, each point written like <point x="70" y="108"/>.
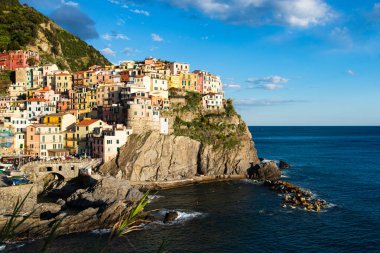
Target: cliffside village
<point x="48" y="113"/>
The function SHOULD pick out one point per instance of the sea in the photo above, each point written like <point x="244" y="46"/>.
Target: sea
<point x="338" y="164"/>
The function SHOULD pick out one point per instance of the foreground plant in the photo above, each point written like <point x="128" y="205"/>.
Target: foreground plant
<point x="128" y="222"/>
<point x="8" y="231"/>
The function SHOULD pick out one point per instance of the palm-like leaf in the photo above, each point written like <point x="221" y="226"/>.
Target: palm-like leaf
<point x="11" y="225"/>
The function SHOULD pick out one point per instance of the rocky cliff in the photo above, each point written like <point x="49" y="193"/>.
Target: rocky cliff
<point x="220" y="146"/>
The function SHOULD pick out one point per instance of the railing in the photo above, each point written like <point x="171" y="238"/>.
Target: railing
<point x="75" y="160"/>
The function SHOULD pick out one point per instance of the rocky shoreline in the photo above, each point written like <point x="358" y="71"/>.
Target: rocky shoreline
<point x="96" y="202"/>
<point x="294" y="196"/>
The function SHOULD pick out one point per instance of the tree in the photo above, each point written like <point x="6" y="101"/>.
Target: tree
<point x="32" y="61"/>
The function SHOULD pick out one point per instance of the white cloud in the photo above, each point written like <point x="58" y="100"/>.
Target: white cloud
<point x="156" y="37"/>
<point x="142" y="12"/>
<point x="350" y="72"/>
<point x="120" y="22"/>
<point x="268" y="80"/>
<point x="232" y="86"/>
<point x="298" y="13"/>
<point x="115" y="36"/>
<point x="108" y="51"/>
<point x="69" y="3"/>
<point x="130" y="51"/>
<point x="114" y="1"/>
<point x="376" y="12"/>
<point x="267" y="86"/>
<point x="266" y="102"/>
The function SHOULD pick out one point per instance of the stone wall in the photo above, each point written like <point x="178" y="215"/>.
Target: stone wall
<point x="68" y="169"/>
<point x="10" y="195"/>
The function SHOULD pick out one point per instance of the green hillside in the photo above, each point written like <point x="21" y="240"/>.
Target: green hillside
<point x="22" y="27"/>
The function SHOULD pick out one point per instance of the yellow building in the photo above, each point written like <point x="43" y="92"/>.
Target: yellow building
<point x="188" y="81"/>
<point x="83" y="130"/>
<point x="62" y="82"/>
<point x="30" y="93"/>
<point x="63" y="120"/>
<point x="90" y="77"/>
<point x="91" y="99"/>
<point x="174" y="82"/>
<point x="71" y="142"/>
<point x="83" y="98"/>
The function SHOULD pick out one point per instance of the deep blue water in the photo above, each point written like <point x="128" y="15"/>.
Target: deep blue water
<point x="339" y="164"/>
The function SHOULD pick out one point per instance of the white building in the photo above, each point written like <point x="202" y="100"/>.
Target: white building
<point x="17" y="89"/>
<point x="164" y="126"/>
<point x="213" y="101"/>
<point x="212" y="84"/>
<point x="37" y="107"/>
<point x="177" y="67"/>
<point x="140" y="83"/>
<point x="106" y="143"/>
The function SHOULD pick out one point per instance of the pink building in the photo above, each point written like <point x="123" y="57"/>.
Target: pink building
<point x="47" y="94"/>
<point x="32" y="142"/>
<point x="64" y="105"/>
<point x="200" y="80"/>
<point x="17" y="59"/>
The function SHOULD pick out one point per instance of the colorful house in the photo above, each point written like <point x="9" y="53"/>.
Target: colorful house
<point x="62" y="120"/>
<point x="44" y="141"/>
<point x="17" y="59"/>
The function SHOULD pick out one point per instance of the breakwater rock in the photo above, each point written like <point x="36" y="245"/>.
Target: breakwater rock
<point x="296" y="197"/>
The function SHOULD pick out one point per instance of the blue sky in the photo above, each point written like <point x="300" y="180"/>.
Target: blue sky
<point x="284" y="62"/>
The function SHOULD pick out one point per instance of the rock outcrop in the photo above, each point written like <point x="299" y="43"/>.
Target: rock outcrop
<point x="98" y="206"/>
<point x="283" y="165"/>
<point x="105" y="192"/>
<point x="155" y="157"/>
<point x="265" y="170"/>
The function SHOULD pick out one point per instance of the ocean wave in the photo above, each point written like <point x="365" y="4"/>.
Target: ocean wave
<point x="265" y="212"/>
<point x="101" y="231"/>
<point x="154" y="197"/>
<point x="2" y="247"/>
<point x="284" y="175"/>
<point x="183" y="216"/>
<point x="251" y="181"/>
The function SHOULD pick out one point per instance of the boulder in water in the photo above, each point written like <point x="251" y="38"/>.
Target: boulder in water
<point x="266" y="170"/>
<point x="284" y="165"/>
<point x="170" y="216"/>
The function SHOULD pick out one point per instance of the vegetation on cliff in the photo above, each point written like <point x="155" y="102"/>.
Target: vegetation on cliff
<point x="221" y="128"/>
<point x="6" y="77"/>
<point x="22" y="27"/>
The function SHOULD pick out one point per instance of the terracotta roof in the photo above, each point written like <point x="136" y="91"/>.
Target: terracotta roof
<point x="37" y="100"/>
<point x="87" y="122"/>
<point x="43" y="125"/>
<point x="43" y="89"/>
<point x="63" y="74"/>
